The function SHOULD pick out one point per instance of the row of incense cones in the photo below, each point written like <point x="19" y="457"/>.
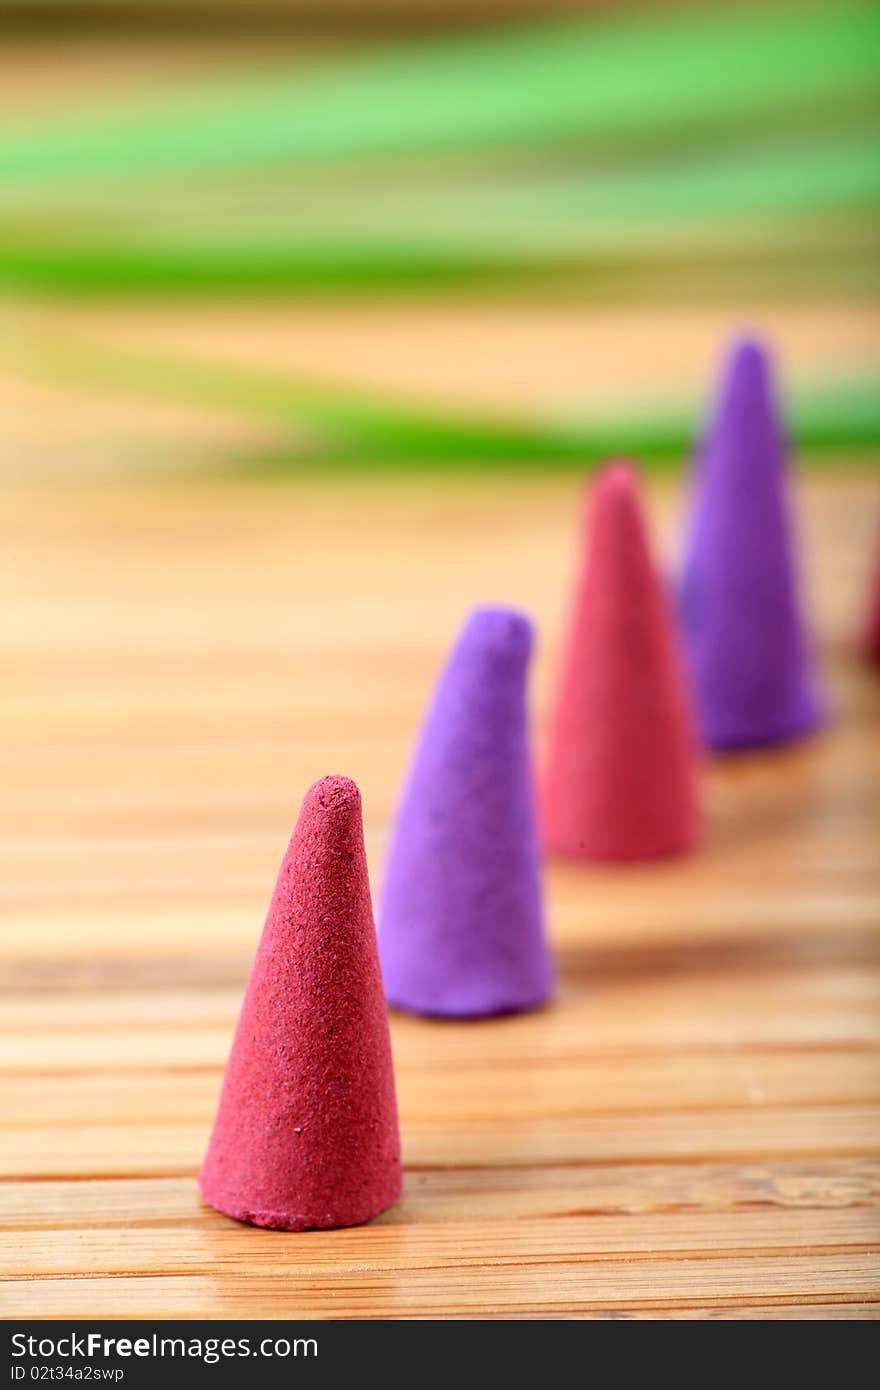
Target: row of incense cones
<point x="306" y="1134"/>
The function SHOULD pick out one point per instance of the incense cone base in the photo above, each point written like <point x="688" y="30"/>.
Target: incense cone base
<point x="429" y="1005"/>
<point x="793" y="728"/>
<point x="620" y="850"/>
<point x="354" y="1213"/>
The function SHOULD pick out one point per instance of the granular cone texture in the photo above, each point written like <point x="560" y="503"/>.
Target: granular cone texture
<point x="461" y="925"/>
<point x="747" y="646"/>
<point x="306" y="1131"/>
<point x="620" y="780"/>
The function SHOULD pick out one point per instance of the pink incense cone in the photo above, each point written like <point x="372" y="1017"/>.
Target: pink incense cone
<point x="744" y="632"/>
<point x="306" y="1131"/>
<point x="461" y="929"/>
<point x="871" y="636"/>
<point x="621" y="774"/>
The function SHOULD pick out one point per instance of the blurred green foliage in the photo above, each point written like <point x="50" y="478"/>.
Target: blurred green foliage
<point x="312" y="425"/>
<point x="555" y="151"/>
<point x="711" y="155"/>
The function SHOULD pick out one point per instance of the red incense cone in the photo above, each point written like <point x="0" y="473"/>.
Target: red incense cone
<point x="871" y="635"/>
<point x="621" y="775"/>
<point x="306" y="1131"/>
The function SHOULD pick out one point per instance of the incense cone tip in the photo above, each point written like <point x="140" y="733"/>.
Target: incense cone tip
<point x="502" y="633"/>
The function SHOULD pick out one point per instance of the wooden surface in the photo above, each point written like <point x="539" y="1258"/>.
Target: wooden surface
<point x="691" y="1130"/>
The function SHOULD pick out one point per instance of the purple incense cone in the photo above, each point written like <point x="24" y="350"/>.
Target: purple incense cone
<point x="746" y="642"/>
<point x="461" y="924"/>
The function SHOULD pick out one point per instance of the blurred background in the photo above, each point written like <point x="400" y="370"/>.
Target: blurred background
<point x="264" y="238"/>
<point x="312" y="320"/>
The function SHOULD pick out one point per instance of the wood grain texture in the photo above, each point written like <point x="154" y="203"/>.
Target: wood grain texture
<point x="692" y="1130"/>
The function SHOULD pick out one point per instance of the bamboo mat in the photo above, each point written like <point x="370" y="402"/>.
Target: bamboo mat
<point x="691" y="1130"/>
